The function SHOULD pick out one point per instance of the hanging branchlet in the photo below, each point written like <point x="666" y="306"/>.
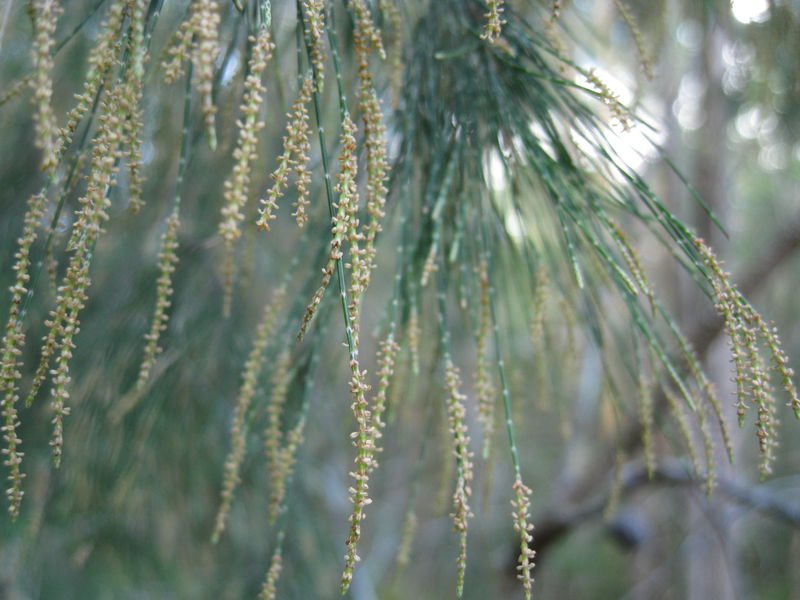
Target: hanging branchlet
<point x="493" y="27"/>
<point x="102" y="59"/>
<point x="523" y="527"/>
<point x="252" y="371"/>
<point x="45" y="17"/>
<point x="780" y="361"/>
<point x="364" y="441"/>
<point x="237" y="186"/>
<point x="72" y="294"/>
<point x="522" y="493"/>
<point x="167" y="259"/>
<point x="708" y="391"/>
<point x="347" y="188"/>
<point x="456" y="415"/>
<point x="484" y="389"/>
<point x="296" y="154"/>
<point x="366" y="38"/>
<point x="745" y="329"/>
<point x="638" y="38"/>
<point x="13" y="343"/>
<point x="761" y="390"/>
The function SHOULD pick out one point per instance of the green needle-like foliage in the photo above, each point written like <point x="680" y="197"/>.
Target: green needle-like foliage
<point x="453" y="169"/>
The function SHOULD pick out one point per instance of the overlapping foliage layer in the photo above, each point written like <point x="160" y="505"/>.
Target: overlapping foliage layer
<point x="450" y="151"/>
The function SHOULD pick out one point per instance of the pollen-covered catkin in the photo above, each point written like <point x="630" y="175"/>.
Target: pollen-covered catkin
<point x="387" y="354"/>
<point x="347" y="188"/>
<point x="493" y="27"/>
<point x="237" y="186"/>
<point x="167" y="259"/>
<point x="64" y="321"/>
<point x="13" y="343"/>
<point x="296" y="155"/>
<point x="364" y="441"/>
<point x="204" y="55"/>
<point x="456" y="415"/>
<point x="315" y="26"/>
<point x="45" y="17"/>
<point x="523" y="527"/>
<point x="103" y="58"/>
<point x="269" y="588"/>
<point x="197" y="40"/>
<point x="133" y="100"/>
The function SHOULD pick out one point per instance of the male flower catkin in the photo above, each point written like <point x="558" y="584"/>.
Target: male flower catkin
<point x="493" y="27"/>
<point x="72" y="294"/>
<point x="102" y="59"/>
<point x="745" y="328"/>
<point x="523" y="527"/>
<point x="13" y="342"/>
<point x="197" y="39"/>
<point x="252" y="371"/>
<point x="45" y="16"/>
<point x="237" y="186"/>
<point x="296" y="150"/>
<point x="314" y="11"/>
<point x="269" y="587"/>
<point x="456" y="415"/>
<point x="366" y="38"/>
<point x="347" y="188"/>
<point x="167" y="259"/>
<point x="133" y="99"/>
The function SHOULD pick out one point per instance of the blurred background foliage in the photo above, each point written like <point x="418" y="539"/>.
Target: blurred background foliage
<point x="129" y="514"/>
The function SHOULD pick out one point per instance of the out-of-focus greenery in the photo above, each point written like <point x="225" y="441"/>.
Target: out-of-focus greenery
<point x="500" y="151"/>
